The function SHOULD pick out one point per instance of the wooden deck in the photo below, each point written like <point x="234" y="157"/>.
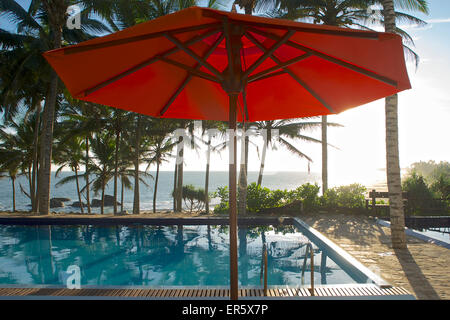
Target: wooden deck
<point x="198" y="293"/>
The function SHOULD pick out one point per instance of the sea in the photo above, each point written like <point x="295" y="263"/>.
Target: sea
<point x="271" y="180"/>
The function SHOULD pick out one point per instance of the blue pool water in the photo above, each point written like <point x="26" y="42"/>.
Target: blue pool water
<point x="144" y="255"/>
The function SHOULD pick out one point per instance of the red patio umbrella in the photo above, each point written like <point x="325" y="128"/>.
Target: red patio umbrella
<point x="201" y="63"/>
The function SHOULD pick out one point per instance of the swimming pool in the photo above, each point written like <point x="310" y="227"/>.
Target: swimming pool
<point x="166" y="255"/>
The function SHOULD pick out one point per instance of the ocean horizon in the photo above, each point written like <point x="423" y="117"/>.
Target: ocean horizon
<point x="273" y="180"/>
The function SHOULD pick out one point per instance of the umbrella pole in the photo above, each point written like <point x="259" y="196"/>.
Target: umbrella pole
<point x="232" y="199"/>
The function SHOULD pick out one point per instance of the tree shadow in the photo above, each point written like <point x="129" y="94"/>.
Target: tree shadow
<point x="360" y="229"/>
<point x="419" y="283"/>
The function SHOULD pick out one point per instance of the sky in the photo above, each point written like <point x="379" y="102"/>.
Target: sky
<point x="424" y="114"/>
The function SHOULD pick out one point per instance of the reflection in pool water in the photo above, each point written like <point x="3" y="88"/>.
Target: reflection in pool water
<point x="143" y="255"/>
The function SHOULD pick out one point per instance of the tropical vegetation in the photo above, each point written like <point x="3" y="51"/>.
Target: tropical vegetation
<point x="105" y="144"/>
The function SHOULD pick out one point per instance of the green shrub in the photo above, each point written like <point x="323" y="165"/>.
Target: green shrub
<point x="419" y="195"/>
<point x="194" y="198"/>
<point x="351" y="196"/>
<point x="441" y="186"/>
<point x="329" y="199"/>
<point x="308" y="194"/>
<point x="261" y="198"/>
<point x="223" y="206"/>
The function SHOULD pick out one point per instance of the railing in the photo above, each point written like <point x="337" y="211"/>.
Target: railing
<point x="264" y="269"/>
<point x="311" y="251"/>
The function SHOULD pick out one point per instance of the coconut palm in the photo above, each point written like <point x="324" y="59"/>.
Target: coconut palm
<point x="291" y="129"/>
<point x="45" y="20"/>
<point x="207" y="125"/>
<point x="69" y="153"/>
<point x="17" y="148"/>
<point x="103" y="149"/>
<point x="11" y="170"/>
<point x="396" y="209"/>
<point x="158" y="152"/>
<point x="82" y="119"/>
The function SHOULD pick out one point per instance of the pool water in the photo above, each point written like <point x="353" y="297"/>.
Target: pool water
<point x="144" y="255"/>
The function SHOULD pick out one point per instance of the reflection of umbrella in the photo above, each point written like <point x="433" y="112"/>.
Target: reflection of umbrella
<point x="205" y="64"/>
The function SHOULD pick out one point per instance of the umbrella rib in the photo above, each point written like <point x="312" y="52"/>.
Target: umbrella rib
<point x="294" y="76"/>
<point x="244" y="98"/>
<point x="274" y="74"/>
<point x="146" y="63"/>
<point x="192" y="54"/>
<point x="78" y="49"/>
<point x="329" y="58"/>
<point x="264" y="73"/>
<point x="191" y="70"/>
<point x="226" y="31"/>
<point x="268" y="52"/>
<point x="189" y="77"/>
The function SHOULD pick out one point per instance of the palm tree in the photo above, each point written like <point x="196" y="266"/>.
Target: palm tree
<point x="159" y="151"/>
<point x="82" y="119"/>
<point x="206" y="126"/>
<point x="45" y="21"/>
<point x="11" y="168"/>
<point x="396" y="209"/>
<point x="103" y="149"/>
<point x="287" y="129"/>
<point x="17" y="148"/>
<point x="69" y="153"/>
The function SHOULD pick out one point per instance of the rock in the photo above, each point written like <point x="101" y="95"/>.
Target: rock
<point x="109" y="201"/>
<point x="55" y="203"/>
<point x="96" y="203"/>
<point x="76" y="204"/>
<point x="62" y="199"/>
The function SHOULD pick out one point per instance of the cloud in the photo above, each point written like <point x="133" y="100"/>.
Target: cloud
<point x="444" y="20"/>
<point x="428" y="26"/>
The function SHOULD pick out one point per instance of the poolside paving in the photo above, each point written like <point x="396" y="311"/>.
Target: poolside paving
<point x="423" y="268"/>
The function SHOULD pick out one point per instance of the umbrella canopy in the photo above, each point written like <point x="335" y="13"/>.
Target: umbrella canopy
<point x="173" y="67"/>
<point x="203" y="64"/>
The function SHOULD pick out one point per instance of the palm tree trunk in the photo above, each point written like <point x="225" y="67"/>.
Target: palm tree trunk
<point x="56" y="13"/>
<point x="242" y="202"/>
<point x="116" y="166"/>
<point x="103" y="198"/>
<point x="324" y="155"/>
<point x="78" y="190"/>
<point x="175" y="174"/>
<point x="34" y="172"/>
<point x="208" y="158"/>
<point x="263" y="160"/>
<point x="136" y="200"/>
<point x="180" y="186"/>
<point x="156" y="186"/>
<point x="14" y="193"/>
<point x="396" y="210"/>
<point x="88" y="200"/>
<point x="179" y="193"/>
<point x="46" y="147"/>
<point x="30" y="182"/>
<point x="121" y="195"/>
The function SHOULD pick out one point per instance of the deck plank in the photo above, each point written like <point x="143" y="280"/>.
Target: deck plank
<point x="328" y="291"/>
